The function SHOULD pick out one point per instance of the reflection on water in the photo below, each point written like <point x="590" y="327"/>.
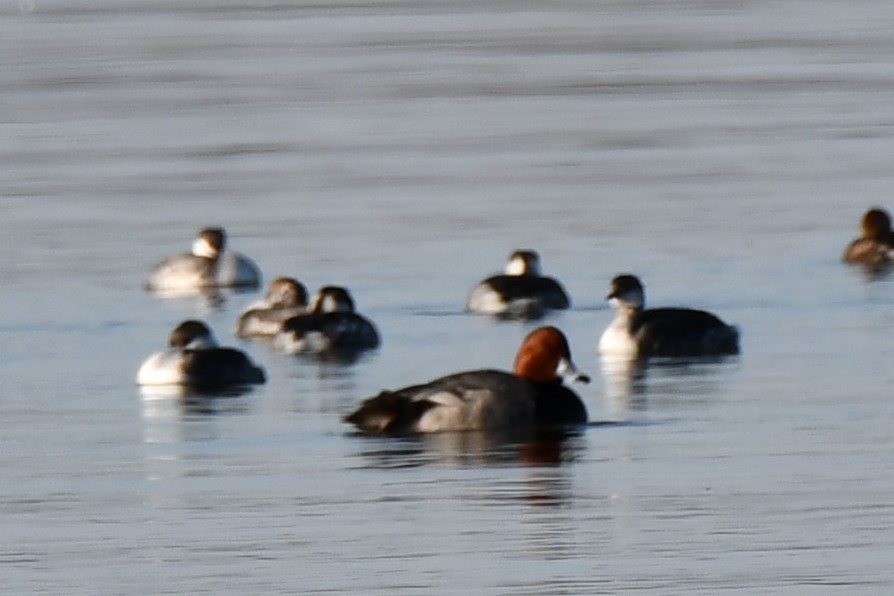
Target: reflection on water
<point x="624" y="384"/>
<point x="174" y="414"/>
<point x="335" y="359"/>
<point x="872" y="273"/>
<point x="629" y="381"/>
<point x="691" y="379"/>
<point x="546" y="487"/>
<point x="176" y="420"/>
<point x="194" y="399"/>
<point x="205" y="299"/>
<point x="474" y="448"/>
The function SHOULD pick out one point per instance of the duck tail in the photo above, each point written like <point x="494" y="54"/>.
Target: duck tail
<point x="388" y="413"/>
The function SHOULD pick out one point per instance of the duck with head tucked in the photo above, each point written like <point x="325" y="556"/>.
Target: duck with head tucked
<point x="286" y="298"/>
<point x="638" y="332"/>
<point x="194" y="358"/>
<point x="521" y="291"/>
<point x="332" y="325"/>
<point x="532" y="396"/>
<point x="208" y="266"/>
<point x="875" y="246"/>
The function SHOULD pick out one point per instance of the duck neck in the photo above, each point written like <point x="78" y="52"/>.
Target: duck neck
<point x="626" y="314"/>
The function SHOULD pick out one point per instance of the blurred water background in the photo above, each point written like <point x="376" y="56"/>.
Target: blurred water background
<point x="723" y="151"/>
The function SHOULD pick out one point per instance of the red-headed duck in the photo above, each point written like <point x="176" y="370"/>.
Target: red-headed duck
<point x="521" y="291"/>
<point x="209" y="265"/>
<point x="286" y="298"/>
<point x="876" y="245"/>
<point x="194" y="358"/>
<point x="532" y="396"/>
<point x="640" y="332"/>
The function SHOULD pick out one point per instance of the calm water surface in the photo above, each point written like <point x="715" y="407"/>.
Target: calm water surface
<point x="722" y="151"/>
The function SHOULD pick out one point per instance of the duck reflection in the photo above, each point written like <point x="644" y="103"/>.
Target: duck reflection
<point x="184" y="401"/>
<point x="187" y="394"/>
<point x="534" y="447"/>
<point x="545" y="488"/>
<point x="177" y="414"/>
<point x="175" y="418"/>
<point x="875" y="272"/>
<point x="625" y="384"/>
<point x="339" y="356"/>
<point x="203" y="301"/>
<point x="209" y="299"/>
<point x="629" y="382"/>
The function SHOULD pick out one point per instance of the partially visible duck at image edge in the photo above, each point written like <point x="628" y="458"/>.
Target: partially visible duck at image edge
<point x="640" y="332"/>
<point x="876" y="244"/>
<point x="331" y="325"/>
<point x="530" y="397"/>
<point x="193" y="358"/>
<point x="521" y="291"/>
<point x="209" y="265"/>
<point x="286" y="298"/>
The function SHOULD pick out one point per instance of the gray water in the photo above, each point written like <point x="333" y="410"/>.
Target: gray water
<point x="723" y="151"/>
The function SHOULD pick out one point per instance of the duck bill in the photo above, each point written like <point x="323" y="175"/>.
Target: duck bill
<point x="566" y="370"/>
